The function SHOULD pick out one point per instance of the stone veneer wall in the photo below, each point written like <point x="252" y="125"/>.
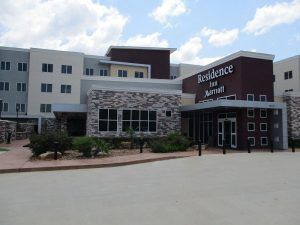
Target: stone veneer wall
<point x="52" y="124"/>
<point x="5" y="127"/>
<point x="293" y="114"/>
<point x="133" y="100"/>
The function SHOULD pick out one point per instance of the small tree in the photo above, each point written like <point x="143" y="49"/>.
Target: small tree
<point x="131" y="134"/>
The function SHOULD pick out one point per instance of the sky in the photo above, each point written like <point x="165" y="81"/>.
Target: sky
<point x="202" y="31"/>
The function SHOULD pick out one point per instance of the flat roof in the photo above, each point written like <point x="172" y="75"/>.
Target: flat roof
<point x="229" y="58"/>
<point x="222" y="103"/>
<point x="171" y="50"/>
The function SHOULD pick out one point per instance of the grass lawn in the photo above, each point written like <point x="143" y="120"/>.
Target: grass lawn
<point x="3" y="149"/>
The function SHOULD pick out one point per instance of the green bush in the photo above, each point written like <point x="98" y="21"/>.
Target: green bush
<point x="84" y="145"/>
<point x="172" y="143"/>
<point x="41" y="143"/>
<point x="100" y="145"/>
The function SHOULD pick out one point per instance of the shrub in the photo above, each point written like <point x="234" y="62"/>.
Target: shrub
<point x="84" y="145"/>
<point x="41" y="143"/>
<point x="172" y="143"/>
<point x="101" y="146"/>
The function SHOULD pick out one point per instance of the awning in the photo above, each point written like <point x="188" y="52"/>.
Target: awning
<point x="222" y="103"/>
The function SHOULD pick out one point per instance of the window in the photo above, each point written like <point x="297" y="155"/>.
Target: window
<point x="67" y="69"/>
<point x="263" y="98"/>
<point x="89" y="71"/>
<point x="21" y="87"/>
<point x="263" y="141"/>
<point x="22" y="67"/>
<point x="263" y="113"/>
<point x="168" y="113"/>
<point x="250" y="97"/>
<point x="250" y="113"/>
<point x="20" y="107"/>
<point x="138" y="74"/>
<point x="4" y="86"/>
<point x="288" y="75"/>
<point x="172" y="77"/>
<point x="4" y="107"/>
<point x="5" y="65"/>
<point x="276" y="112"/>
<point x="46" y="87"/>
<point x="263" y="127"/>
<point x="48" y="68"/>
<point x="276" y="125"/>
<point x="108" y="120"/>
<point x="103" y="72"/>
<point x="251" y="126"/>
<point x="45" y="108"/>
<point x="252" y="141"/>
<point x="64" y="88"/>
<point x="139" y="120"/>
<point x="122" y="73"/>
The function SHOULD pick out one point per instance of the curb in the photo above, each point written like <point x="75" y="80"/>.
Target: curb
<point x="73" y="167"/>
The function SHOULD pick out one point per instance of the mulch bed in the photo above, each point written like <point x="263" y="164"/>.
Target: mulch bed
<point x="71" y="154"/>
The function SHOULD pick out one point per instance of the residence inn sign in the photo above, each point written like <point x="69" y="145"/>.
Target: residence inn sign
<point x="212" y="76"/>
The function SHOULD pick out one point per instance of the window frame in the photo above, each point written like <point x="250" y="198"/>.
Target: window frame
<point x="260" y="126"/>
<point x="47" y="85"/>
<point x="249" y="123"/>
<point x="108" y="120"/>
<point x="5" y="65"/>
<point x="21" y="83"/>
<point x="260" y="98"/>
<point x="260" y="110"/>
<point x="20" y="107"/>
<point x="48" y="67"/>
<point x="65" y="89"/>
<point x="66" y="69"/>
<point x="4" y="85"/>
<point x="267" y="142"/>
<point x="137" y="74"/>
<point x="122" y="72"/>
<point x="252" y="96"/>
<point x="250" y="109"/>
<point x="2" y="109"/>
<point x="89" y="71"/>
<point x="46" y="107"/>
<point x="252" y="145"/>
<point x="103" y="72"/>
<point x="22" y="66"/>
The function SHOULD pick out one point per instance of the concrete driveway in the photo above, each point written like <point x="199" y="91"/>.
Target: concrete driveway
<point x="257" y="188"/>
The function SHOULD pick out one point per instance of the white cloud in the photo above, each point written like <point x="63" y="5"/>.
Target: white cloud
<point x="151" y="40"/>
<point x="80" y="25"/>
<point x="272" y="15"/>
<point x="189" y="53"/>
<point x="168" y="9"/>
<point x="220" y="38"/>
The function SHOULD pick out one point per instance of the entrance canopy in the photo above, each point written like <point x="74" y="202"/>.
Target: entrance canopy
<point x="222" y="103"/>
<point x="70" y="109"/>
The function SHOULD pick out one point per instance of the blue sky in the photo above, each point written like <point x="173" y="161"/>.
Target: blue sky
<point x="202" y="31"/>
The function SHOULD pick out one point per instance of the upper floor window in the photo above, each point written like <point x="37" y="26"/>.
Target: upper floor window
<point x="103" y="73"/>
<point x="263" y="113"/>
<point x="288" y="90"/>
<point x="250" y="112"/>
<point x="89" y="71"/>
<point x="47" y="68"/>
<point x="22" y="67"/>
<point x="288" y="75"/>
<point x="5" y="65"/>
<point x="138" y="74"/>
<point x="66" y="69"/>
<point x="251" y="126"/>
<point x="4" y="86"/>
<point x="46" y="87"/>
<point x="250" y="97"/>
<point x="4" y="107"/>
<point x="172" y="77"/>
<point x="20" y="107"/>
<point x="45" y="108"/>
<point x="64" y="88"/>
<point x="21" y="87"/>
<point x="263" y="98"/>
<point x="122" y="73"/>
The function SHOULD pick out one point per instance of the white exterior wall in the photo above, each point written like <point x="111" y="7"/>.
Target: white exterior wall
<point x="56" y="78"/>
<point x="289" y="64"/>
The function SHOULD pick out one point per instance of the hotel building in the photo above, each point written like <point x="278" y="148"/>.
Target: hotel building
<point x="230" y="101"/>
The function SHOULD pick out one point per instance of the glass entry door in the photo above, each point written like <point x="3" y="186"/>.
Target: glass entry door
<point x="227" y="132"/>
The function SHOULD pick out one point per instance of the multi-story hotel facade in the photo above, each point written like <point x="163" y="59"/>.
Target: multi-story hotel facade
<point x="229" y="101"/>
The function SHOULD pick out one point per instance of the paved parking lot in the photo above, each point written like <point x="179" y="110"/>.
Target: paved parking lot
<point x="257" y="188"/>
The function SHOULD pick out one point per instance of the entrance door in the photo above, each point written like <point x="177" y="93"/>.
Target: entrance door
<point x="227" y="132"/>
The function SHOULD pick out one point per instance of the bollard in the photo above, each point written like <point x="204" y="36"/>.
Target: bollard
<point x="249" y="146"/>
<point x="199" y="148"/>
<point x="224" y="148"/>
<point x="55" y="147"/>
<point x="8" y="138"/>
<point x="141" y="145"/>
<point x="271" y="146"/>
<point x="293" y="145"/>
